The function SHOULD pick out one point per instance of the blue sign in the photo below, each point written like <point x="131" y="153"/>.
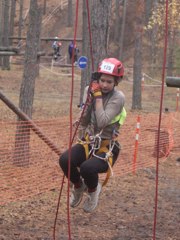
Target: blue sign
<point x="82" y="62"/>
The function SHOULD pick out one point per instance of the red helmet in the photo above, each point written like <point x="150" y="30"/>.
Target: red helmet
<point x="111" y="66"/>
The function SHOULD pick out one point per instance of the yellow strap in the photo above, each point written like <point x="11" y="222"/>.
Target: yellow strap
<point x="86" y="146"/>
<point x="110" y="160"/>
<point x="103" y="148"/>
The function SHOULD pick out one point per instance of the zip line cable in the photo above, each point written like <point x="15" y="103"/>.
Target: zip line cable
<point x="159" y="124"/>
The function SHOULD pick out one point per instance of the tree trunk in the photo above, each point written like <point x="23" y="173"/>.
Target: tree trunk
<point x="177" y="61"/>
<point x="153" y="46"/>
<point x="100" y="13"/>
<point x="85" y="73"/>
<point x="117" y="20"/>
<point x="171" y="43"/>
<point x="137" y="75"/>
<point x="31" y="59"/>
<point x="122" y="31"/>
<point x="12" y="17"/>
<point x="148" y="10"/>
<point x="44" y="7"/>
<point x="20" y="18"/>
<point x="99" y="25"/>
<point x="170" y="58"/>
<point x="31" y="69"/>
<point x="1" y="26"/>
<point x="70" y="14"/>
<point x="5" y="63"/>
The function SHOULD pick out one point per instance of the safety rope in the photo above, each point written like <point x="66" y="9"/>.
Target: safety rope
<point x="92" y="66"/>
<point x="160" y="116"/>
<point x="71" y="136"/>
<point x="71" y="120"/>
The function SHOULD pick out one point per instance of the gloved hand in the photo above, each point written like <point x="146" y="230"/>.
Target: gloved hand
<point x="96" y="90"/>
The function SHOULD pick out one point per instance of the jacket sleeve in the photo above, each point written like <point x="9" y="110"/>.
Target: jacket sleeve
<point x="106" y="114"/>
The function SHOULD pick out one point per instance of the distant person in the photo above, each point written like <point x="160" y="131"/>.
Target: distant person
<point x="57" y="48"/>
<point x="70" y="51"/>
<point x="76" y="53"/>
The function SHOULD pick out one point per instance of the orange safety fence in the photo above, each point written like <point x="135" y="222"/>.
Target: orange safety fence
<point x="29" y="166"/>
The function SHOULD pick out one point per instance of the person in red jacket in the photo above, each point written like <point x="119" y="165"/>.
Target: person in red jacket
<point x="97" y="149"/>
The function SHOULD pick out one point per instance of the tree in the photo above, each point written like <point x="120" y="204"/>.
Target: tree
<point x="70" y="14"/>
<point x="148" y="10"/>
<point x="85" y="73"/>
<point x="157" y="22"/>
<point x="100" y="16"/>
<point x="20" y="18"/>
<point x="31" y="61"/>
<point x="137" y="67"/>
<point x="31" y="69"/>
<point x="118" y="20"/>
<point x="153" y="46"/>
<point x="171" y="41"/>
<point x="99" y="26"/>
<point x="122" y="31"/>
<point x="5" y="61"/>
<point x="44" y="7"/>
<point x="1" y="24"/>
<point x="177" y="61"/>
<point x="12" y="17"/>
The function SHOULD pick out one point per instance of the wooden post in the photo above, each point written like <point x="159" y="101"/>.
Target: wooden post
<point x="13" y="53"/>
<point x="30" y="123"/>
<point x="49" y="39"/>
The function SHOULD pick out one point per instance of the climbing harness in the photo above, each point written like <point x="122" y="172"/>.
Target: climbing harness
<point x="94" y="145"/>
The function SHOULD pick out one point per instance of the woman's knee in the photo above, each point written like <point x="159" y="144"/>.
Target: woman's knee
<point x="63" y="161"/>
<point x="86" y="169"/>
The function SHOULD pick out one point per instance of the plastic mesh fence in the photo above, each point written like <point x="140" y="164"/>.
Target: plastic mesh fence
<point x="29" y="166"/>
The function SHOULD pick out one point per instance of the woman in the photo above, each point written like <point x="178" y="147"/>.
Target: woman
<point x="97" y="150"/>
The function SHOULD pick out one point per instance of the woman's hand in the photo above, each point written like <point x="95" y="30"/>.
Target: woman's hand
<point x="96" y="90"/>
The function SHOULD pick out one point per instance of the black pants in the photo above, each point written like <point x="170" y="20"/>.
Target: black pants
<point x="57" y="51"/>
<point x="87" y="169"/>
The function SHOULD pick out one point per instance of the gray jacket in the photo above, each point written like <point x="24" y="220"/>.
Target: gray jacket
<point x="93" y="121"/>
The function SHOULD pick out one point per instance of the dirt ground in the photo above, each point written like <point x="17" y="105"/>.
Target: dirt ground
<point x="125" y="211"/>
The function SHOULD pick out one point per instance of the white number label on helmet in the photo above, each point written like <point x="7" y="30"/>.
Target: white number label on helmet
<point x="107" y="67"/>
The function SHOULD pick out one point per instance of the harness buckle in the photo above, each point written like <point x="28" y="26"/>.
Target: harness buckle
<point x="96" y="142"/>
